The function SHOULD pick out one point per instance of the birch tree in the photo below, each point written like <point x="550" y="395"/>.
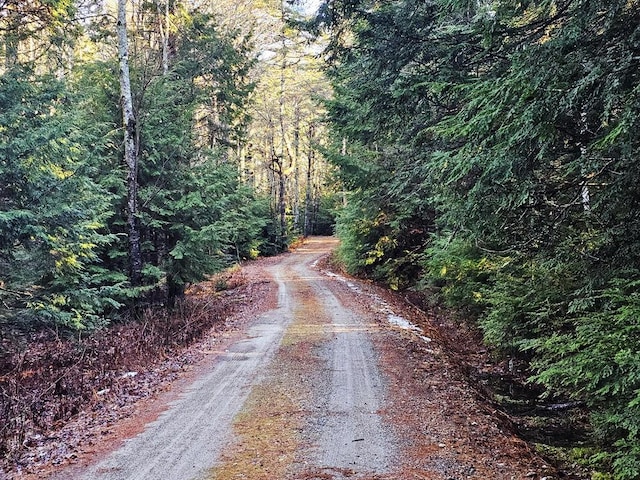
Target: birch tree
<point x="130" y="146"/>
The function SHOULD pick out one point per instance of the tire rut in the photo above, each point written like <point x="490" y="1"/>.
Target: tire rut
<point x="323" y="388"/>
<point x="327" y="368"/>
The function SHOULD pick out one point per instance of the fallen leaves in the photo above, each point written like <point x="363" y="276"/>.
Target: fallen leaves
<point x="60" y="395"/>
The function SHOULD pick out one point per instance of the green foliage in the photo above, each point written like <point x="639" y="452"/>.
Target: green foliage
<point x="63" y="238"/>
<point x="195" y="217"/>
<point x="325" y="215"/>
<point x="459" y="273"/>
<point x="218" y="66"/>
<point x="45" y="25"/>
<point x="207" y="222"/>
<point x="597" y="358"/>
<point x="373" y="232"/>
<point x="379" y="241"/>
<point x="52" y="210"/>
<point x="502" y="140"/>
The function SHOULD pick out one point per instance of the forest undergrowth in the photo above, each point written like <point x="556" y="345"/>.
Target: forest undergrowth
<point x="556" y="428"/>
<point x="48" y="378"/>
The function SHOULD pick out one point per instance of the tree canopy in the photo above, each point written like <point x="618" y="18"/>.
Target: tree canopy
<point x="63" y="243"/>
<point x="146" y="145"/>
<point x="492" y="159"/>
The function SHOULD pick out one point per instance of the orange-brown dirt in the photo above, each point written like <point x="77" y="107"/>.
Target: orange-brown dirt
<point x="442" y="427"/>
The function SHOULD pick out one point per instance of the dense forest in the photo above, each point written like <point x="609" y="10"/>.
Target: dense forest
<point x="132" y="160"/>
<point x="480" y="153"/>
<point x="144" y="145"/>
<point x="491" y="159"/>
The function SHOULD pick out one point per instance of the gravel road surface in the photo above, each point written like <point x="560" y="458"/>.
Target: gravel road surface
<point x="336" y="382"/>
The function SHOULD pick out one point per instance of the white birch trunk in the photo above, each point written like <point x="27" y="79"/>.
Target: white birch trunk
<point x="163" y="23"/>
<point x="130" y="148"/>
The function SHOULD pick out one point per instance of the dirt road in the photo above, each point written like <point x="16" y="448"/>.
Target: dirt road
<point x="338" y="381"/>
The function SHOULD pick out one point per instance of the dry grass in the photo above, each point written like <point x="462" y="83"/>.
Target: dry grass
<point x="268" y="429"/>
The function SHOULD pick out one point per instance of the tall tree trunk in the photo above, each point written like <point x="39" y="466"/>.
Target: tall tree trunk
<point x="130" y="147"/>
<point x="283" y="133"/>
<point x="11" y="44"/>
<point x="308" y="230"/>
<point x="282" y="204"/>
<point x="584" y="189"/>
<point x="164" y="25"/>
<point x="296" y="167"/>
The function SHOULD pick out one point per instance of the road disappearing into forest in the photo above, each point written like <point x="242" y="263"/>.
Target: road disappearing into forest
<point x="337" y="381"/>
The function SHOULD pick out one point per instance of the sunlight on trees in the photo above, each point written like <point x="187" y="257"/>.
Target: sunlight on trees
<point x="281" y="154"/>
<point x="219" y="158"/>
<point x="484" y="155"/>
<point x="491" y="162"/>
<point x="96" y="216"/>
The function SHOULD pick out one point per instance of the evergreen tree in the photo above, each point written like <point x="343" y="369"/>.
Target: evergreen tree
<point x="63" y="236"/>
<point x="500" y="140"/>
<point x="52" y="209"/>
<point x="385" y="97"/>
<point x="189" y="114"/>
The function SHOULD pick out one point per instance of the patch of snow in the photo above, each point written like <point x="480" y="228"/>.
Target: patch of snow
<point x="353" y="287"/>
<point x="407" y="325"/>
<point x="401" y="322"/>
<point x="383" y="307"/>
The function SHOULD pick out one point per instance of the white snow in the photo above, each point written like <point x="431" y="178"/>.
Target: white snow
<point x="383" y="307"/>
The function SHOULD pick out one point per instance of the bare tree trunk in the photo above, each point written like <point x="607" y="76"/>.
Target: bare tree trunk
<point x="308" y="230"/>
<point x="242" y="161"/>
<point x="584" y="190"/>
<point x="283" y="135"/>
<point x="296" y="166"/>
<point x="130" y="147"/>
<point x="11" y="45"/>
<point x="270" y="156"/>
<point x="282" y="204"/>
<point x="164" y="34"/>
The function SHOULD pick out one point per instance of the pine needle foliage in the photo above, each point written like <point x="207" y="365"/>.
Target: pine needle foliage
<point x="501" y="139"/>
<point x="63" y="235"/>
<point x="53" y="211"/>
